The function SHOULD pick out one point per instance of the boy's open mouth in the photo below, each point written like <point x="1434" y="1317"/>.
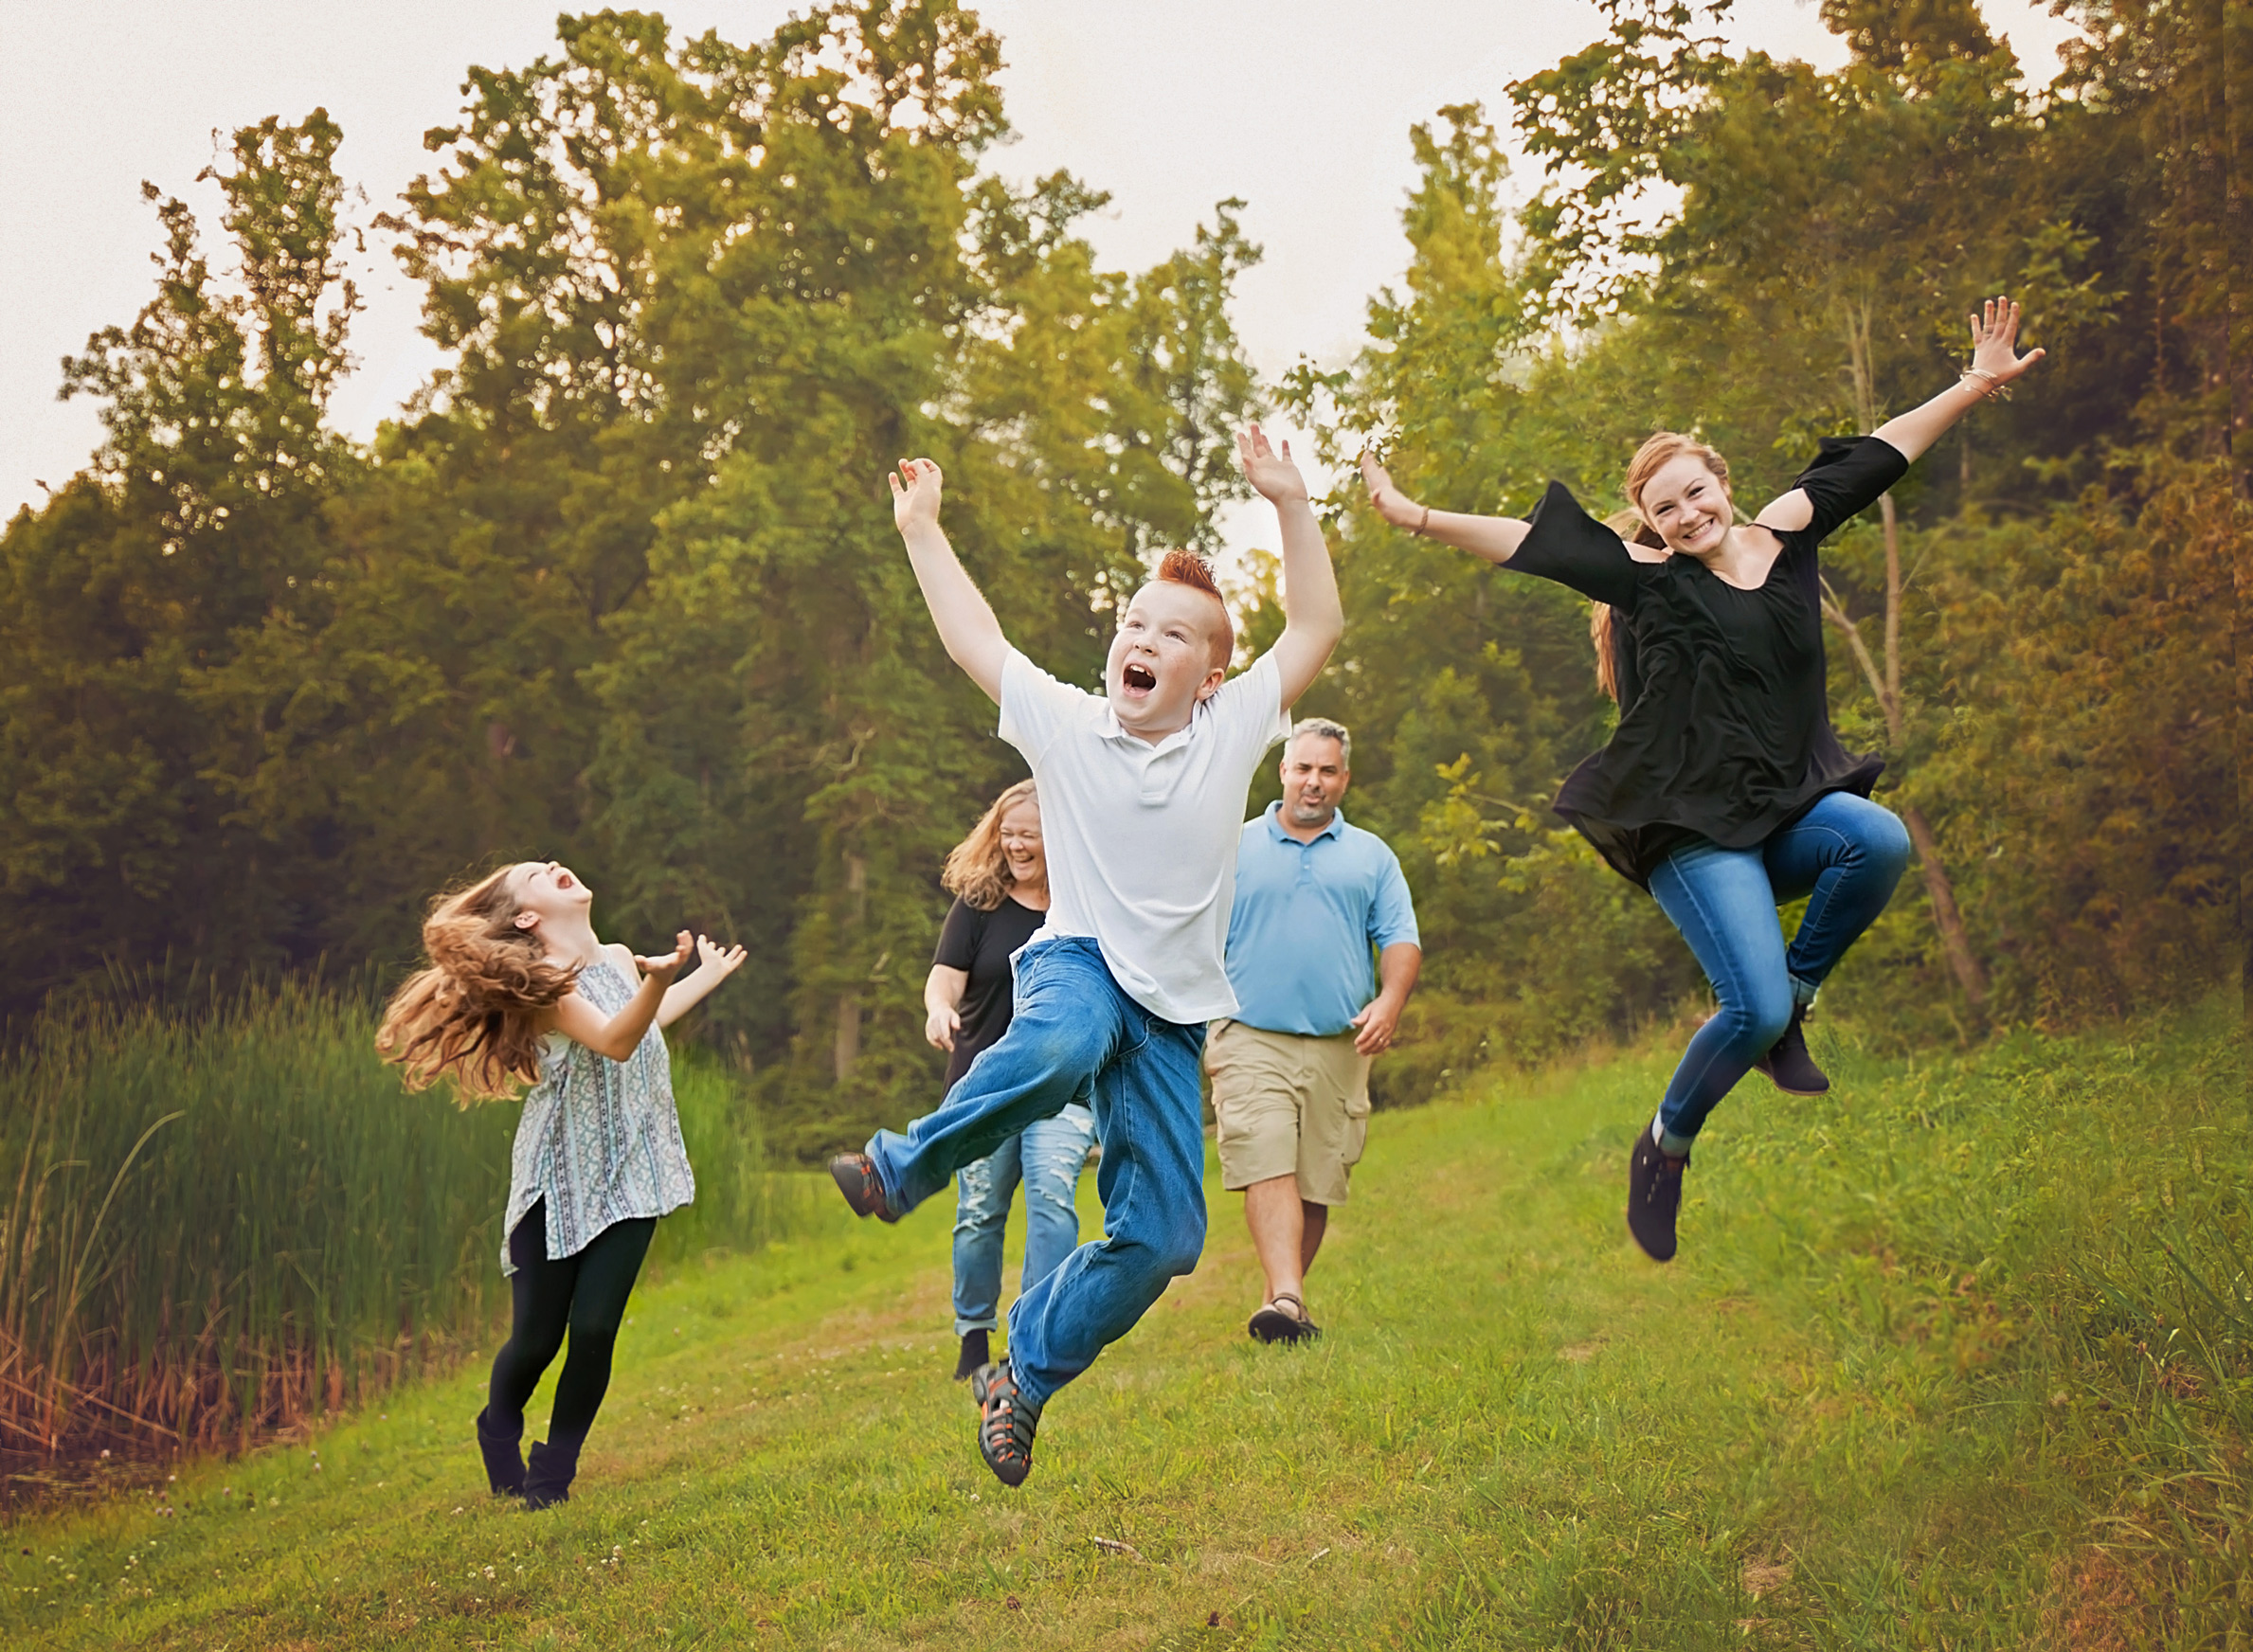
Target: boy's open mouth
<point x="1138" y="678"/>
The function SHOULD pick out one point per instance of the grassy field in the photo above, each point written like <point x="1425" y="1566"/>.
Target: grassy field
<point x="1961" y="1357"/>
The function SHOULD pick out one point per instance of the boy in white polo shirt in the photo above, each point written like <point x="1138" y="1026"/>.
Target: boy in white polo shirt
<point x="1141" y="801"/>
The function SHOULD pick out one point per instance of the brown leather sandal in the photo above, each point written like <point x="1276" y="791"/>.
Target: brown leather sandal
<point x="1272" y="1324"/>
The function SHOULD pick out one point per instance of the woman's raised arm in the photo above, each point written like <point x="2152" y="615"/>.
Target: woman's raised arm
<point x="1496" y="538"/>
<point x="1995" y="362"/>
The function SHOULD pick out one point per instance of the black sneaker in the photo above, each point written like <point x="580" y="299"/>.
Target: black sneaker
<point x="1788" y="1065"/>
<point x="1653" y="1195"/>
<point x="973" y="1355"/>
<point x="856" y="1177"/>
<point x="1005" y="1424"/>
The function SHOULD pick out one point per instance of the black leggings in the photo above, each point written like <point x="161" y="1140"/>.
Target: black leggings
<point x="586" y="1293"/>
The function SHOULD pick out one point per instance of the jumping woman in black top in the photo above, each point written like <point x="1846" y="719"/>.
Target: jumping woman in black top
<point x="1724" y="791"/>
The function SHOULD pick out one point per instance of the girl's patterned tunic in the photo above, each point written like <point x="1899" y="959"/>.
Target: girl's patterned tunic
<point x="600" y="1139"/>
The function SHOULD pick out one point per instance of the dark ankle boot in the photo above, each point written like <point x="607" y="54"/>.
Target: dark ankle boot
<point x="547" y="1482"/>
<point x="504" y="1464"/>
<point x="973" y="1355"/>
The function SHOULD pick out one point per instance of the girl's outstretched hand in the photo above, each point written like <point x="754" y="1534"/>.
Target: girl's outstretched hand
<point x="915" y="495"/>
<point x="664" y="969"/>
<point x="1391" y="503"/>
<point x="1995" y="342"/>
<point x="1273" y="476"/>
<point x="722" y="962"/>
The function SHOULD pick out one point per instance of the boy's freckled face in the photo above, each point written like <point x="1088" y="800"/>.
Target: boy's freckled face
<point x="1161" y="657"/>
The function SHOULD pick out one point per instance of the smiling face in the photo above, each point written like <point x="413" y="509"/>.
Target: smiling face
<point x="546" y="890"/>
<point x="1161" y="660"/>
<point x="1021" y="848"/>
<point x="1688" y="505"/>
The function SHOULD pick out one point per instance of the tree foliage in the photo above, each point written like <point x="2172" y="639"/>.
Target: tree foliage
<point x="619" y="586"/>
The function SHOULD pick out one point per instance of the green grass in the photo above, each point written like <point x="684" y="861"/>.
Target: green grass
<point x="1960" y="1357"/>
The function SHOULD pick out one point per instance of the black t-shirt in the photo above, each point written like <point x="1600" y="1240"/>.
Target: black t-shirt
<point x="1724" y="720"/>
<point x="980" y="944"/>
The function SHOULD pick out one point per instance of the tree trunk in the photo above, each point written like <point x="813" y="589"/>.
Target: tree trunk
<point x="1953" y="941"/>
<point x="845" y="1048"/>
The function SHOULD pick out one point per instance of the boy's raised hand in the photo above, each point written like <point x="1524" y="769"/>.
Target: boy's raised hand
<point x="1275" y="476"/>
<point x="915" y="495"/>
<point x="664" y="969"/>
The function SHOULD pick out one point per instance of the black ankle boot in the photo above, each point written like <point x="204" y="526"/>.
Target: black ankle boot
<point x="547" y="1482"/>
<point x="973" y="1355"/>
<point x="1788" y="1065"/>
<point x="504" y="1464"/>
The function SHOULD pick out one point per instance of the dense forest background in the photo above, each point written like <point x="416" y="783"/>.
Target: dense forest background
<point x="620" y="586"/>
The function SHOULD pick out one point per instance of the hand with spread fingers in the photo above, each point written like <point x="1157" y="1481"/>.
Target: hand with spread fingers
<point x="1995" y="341"/>
<point x="1272" y="476"/>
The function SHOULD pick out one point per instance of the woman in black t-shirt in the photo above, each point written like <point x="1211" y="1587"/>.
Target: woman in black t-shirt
<point x="1723" y="791"/>
<point x="999" y="877"/>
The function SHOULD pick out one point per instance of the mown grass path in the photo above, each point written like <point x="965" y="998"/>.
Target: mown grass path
<point x="1848" y="1416"/>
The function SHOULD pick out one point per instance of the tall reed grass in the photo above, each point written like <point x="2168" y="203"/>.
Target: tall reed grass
<point x="224" y="1220"/>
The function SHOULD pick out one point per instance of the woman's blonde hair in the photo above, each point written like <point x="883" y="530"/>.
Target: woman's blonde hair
<point x="469" y="1016"/>
<point x="1657" y="451"/>
<point x="977" y="870"/>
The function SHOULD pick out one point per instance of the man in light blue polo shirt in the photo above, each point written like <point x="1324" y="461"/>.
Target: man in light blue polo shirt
<point x="1322" y="955"/>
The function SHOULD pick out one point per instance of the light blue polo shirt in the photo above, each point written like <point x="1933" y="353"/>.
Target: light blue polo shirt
<point x="1308" y="920"/>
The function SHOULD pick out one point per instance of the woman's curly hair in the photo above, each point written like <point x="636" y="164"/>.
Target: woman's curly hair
<point x="471" y="1016"/>
<point x="975" y="868"/>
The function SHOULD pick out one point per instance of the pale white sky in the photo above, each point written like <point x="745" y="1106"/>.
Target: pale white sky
<point x="1301" y="109"/>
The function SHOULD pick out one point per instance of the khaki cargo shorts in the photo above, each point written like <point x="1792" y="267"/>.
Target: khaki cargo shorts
<point x="1287" y="1104"/>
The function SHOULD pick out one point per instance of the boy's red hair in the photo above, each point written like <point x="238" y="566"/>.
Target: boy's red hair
<point x="1185" y="568"/>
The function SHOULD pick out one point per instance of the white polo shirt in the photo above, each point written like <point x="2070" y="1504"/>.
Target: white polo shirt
<point x="1141" y="838"/>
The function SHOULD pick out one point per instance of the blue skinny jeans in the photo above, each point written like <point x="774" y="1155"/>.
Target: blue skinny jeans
<point x="1845" y="854"/>
<point x="1071" y="1024"/>
<point x="1047" y="1156"/>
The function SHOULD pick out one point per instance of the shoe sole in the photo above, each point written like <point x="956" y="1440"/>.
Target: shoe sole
<point x="853" y="1185"/>
<point x="1787" y="1089"/>
<point x="982" y="1384"/>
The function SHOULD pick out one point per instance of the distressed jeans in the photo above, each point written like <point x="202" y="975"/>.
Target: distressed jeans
<point x="1845" y="854"/>
<point x="1047" y="1156"/>
<point x="1071" y="1024"/>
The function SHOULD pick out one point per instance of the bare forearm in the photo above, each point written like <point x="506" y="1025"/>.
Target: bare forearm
<point x="1915" y="431"/>
<point x="1397" y="967"/>
<point x="684" y="995"/>
<point x="942" y="988"/>
<point x="622" y="1033"/>
<point x="1494" y="538"/>
<point x="1310" y="602"/>
<point x="966" y="621"/>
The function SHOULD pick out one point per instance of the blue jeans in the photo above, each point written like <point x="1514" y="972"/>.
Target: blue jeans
<point x="1071" y="1024"/>
<point x="1845" y="854"/>
<point x="1047" y="1156"/>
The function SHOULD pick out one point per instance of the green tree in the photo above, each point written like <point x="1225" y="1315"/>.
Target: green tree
<point x="130" y="828"/>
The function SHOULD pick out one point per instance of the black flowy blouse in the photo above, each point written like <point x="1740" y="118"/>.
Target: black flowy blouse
<point x="1724" y="720"/>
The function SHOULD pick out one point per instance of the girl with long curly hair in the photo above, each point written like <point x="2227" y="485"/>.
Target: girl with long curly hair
<point x="999" y="878"/>
<point x="1724" y="791"/>
<point x="518" y="991"/>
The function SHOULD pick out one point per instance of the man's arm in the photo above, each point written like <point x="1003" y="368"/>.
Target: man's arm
<point x="1313" y="618"/>
<point x="1397" y="967"/>
<point x="967" y="624"/>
